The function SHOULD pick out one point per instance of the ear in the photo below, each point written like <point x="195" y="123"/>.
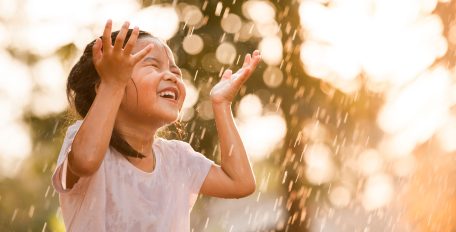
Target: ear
<point x="96" y="87"/>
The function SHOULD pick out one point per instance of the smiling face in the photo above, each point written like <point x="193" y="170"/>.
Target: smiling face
<point x="157" y="92"/>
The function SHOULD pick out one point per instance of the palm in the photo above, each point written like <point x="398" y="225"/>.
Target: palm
<point x="225" y="90"/>
<point x="226" y="87"/>
<point x="113" y="63"/>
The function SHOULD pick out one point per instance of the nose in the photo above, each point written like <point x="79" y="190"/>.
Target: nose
<point x="169" y="76"/>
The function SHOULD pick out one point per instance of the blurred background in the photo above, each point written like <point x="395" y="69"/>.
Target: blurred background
<point x="349" y="121"/>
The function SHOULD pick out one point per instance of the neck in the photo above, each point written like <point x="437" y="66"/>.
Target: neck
<point x="140" y="137"/>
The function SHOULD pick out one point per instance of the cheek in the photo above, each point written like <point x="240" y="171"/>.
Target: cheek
<point x="184" y="94"/>
<point x="142" y="91"/>
<point x="147" y="93"/>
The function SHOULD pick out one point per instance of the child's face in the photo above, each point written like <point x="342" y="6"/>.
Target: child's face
<point x="158" y="92"/>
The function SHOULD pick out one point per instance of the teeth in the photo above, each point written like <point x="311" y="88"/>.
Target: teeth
<point x="167" y="93"/>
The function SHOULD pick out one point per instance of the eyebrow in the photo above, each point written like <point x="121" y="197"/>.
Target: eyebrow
<point x="150" y="58"/>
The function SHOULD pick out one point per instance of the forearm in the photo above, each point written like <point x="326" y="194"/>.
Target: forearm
<point x="234" y="159"/>
<point x="92" y="139"/>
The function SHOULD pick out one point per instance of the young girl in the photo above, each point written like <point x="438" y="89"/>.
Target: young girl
<point x="112" y="173"/>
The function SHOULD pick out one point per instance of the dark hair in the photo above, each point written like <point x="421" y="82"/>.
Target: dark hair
<point x="81" y="85"/>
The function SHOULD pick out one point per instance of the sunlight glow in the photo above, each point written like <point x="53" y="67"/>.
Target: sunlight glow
<point x="268" y="29"/>
<point x="192" y="94"/>
<point x="4" y="36"/>
<point x="446" y="135"/>
<point x="8" y="9"/>
<point x="271" y="50"/>
<point x="378" y="192"/>
<point x="249" y="106"/>
<point x="30" y="37"/>
<point x="413" y="114"/>
<point x="50" y="80"/>
<point x="315" y="131"/>
<point x="15" y="81"/>
<point x="261" y="131"/>
<point x="261" y="135"/>
<point x="258" y="11"/>
<point x="13" y="151"/>
<point x="161" y="21"/>
<point x="340" y="196"/>
<point x="370" y="161"/>
<point x="404" y="166"/>
<point x="320" y="167"/>
<point x="117" y="10"/>
<point x="348" y="38"/>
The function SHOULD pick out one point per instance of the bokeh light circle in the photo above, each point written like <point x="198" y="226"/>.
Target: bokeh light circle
<point x="378" y="191"/>
<point x="271" y="50"/>
<point x="320" y="167"/>
<point x="272" y="76"/>
<point x="249" y="106"/>
<point x="339" y="196"/>
<point x="192" y="15"/>
<point x="226" y="53"/>
<point x="232" y="23"/>
<point x="193" y="44"/>
<point x="161" y="21"/>
<point x="258" y="11"/>
<point x="204" y="110"/>
<point x="192" y="95"/>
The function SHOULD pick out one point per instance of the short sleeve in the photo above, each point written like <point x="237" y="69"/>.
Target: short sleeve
<point x="59" y="175"/>
<point x="196" y="166"/>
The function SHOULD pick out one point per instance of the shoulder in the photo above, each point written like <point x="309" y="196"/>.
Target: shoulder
<point x="175" y="151"/>
<point x="73" y="128"/>
<point x="177" y="146"/>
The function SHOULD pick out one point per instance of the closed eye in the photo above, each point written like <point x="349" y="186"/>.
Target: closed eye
<point x="151" y="61"/>
<point x="176" y="71"/>
<point x="156" y="67"/>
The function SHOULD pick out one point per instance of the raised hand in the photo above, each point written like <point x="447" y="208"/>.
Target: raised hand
<point x="226" y="89"/>
<point x="113" y="63"/>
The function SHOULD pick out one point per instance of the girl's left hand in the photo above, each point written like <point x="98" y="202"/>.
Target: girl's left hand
<point x="226" y="89"/>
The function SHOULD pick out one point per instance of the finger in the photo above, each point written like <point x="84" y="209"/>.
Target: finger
<point x="131" y="41"/>
<point x="243" y="77"/>
<point x="120" y="38"/>
<point x="107" y="36"/>
<point x="227" y="74"/>
<point x="237" y="74"/>
<point x="96" y="51"/>
<point x="255" y="60"/>
<point x="141" y="54"/>
<point x="247" y="60"/>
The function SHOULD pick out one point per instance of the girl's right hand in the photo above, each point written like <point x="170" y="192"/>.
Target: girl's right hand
<point x="114" y="64"/>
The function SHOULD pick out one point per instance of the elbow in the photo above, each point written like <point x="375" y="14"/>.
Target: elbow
<point x="250" y="190"/>
<point x="247" y="190"/>
<point x="81" y="166"/>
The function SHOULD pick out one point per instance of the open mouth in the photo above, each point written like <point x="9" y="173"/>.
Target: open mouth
<point x="169" y="93"/>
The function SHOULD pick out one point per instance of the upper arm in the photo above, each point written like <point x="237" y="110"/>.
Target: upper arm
<point x="219" y="184"/>
<point x="208" y="178"/>
<point x="69" y="176"/>
<point x="64" y="178"/>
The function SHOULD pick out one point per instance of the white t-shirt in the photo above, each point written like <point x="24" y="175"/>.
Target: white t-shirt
<point x="121" y="197"/>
